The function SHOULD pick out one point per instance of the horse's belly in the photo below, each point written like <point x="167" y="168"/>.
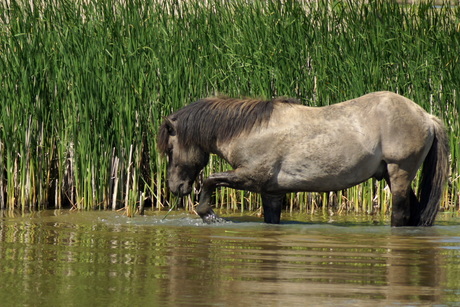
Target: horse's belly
<point x="311" y="177"/>
<point x="315" y="184"/>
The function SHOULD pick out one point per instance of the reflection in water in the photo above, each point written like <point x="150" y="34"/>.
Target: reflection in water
<point x="415" y="272"/>
<point x="101" y="258"/>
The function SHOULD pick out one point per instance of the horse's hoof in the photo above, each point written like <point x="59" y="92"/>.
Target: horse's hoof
<point x="213" y="219"/>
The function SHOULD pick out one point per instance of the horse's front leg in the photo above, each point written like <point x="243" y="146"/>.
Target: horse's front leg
<point x="272" y="204"/>
<point x="226" y="179"/>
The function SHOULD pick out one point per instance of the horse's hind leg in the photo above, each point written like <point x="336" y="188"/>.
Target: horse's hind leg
<point x="414" y="210"/>
<point x="406" y="212"/>
<point x="272" y="207"/>
<point x="404" y="199"/>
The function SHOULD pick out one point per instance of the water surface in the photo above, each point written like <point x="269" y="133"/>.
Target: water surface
<point x="62" y="258"/>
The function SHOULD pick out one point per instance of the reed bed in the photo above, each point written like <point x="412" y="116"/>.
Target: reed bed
<point x="85" y="84"/>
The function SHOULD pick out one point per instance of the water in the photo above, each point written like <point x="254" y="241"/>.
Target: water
<point x="61" y="258"/>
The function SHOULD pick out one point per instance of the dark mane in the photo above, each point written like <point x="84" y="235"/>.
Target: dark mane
<point x="162" y="138"/>
<point x="218" y="118"/>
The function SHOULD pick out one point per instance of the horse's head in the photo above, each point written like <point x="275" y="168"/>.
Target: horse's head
<point x="185" y="158"/>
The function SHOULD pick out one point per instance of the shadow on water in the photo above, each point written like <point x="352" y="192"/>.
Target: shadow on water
<point x="103" y="258"/>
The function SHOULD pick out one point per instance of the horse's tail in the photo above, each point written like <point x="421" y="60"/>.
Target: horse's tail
<point x="434" y="174"/>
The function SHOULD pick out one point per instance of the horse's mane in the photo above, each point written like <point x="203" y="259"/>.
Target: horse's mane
<point x="213" y="119"/>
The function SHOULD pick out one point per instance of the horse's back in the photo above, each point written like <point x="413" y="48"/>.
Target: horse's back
<point x="395" y="119"/>
<point x="402" y="127"/>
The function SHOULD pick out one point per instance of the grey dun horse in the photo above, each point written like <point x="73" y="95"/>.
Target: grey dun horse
<point x="279" y="146"/>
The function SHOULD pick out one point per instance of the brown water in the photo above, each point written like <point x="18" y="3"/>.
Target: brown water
<point x="60" y="258"/>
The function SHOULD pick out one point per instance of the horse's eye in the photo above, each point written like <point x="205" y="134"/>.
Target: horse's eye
<point x="171" y="131"/>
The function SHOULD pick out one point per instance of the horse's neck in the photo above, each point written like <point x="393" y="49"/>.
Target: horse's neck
<point x="223" y="150"/>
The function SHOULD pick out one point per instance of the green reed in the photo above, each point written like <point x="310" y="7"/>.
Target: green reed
<point x="84" y="86"/>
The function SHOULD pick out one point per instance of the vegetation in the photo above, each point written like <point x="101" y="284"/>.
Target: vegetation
<point x="84" y="86"/>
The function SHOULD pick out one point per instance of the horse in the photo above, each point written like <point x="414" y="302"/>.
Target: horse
<point x="280" y="146"/>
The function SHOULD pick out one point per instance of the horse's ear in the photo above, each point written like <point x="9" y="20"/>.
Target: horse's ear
<point x="170" y="126"/>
